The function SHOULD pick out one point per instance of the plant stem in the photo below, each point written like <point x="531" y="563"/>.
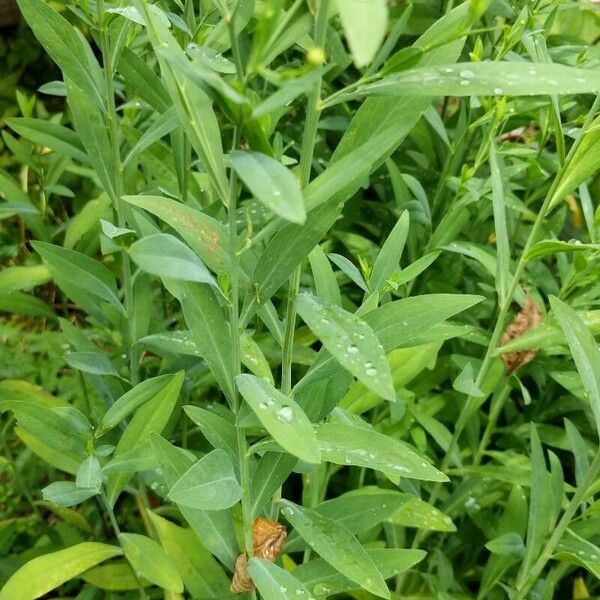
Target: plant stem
<point x="504" y="303"/>
<point x="234" y="316"/>
<point x="306" y="157"/>
<point x="117" y="200"/>
<point x="528" y="580"/>
<point x="117" y="530"/>
<point x="496" y="407"/>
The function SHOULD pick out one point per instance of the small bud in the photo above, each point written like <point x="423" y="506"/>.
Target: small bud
<point x="316" y="56"/>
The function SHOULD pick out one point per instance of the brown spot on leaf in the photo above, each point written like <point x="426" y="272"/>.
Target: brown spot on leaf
<point x="528" y="318"/>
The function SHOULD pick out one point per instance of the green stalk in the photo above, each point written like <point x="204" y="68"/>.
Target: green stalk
<point x="313" y="112"/>
<point x="234" y="316"/>
<point x="527" y="580"/>
<point x="504" y="303"/>
<point x="496" y="407"/>
<point x="472" y="404"/>
<point x="113" y="132"/>
<point x="117" y="530"/>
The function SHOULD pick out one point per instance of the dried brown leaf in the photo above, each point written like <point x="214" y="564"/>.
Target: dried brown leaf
<point x="241" y="582"/>
<point x="528" y="318"/>
<point x="268" y="537"/>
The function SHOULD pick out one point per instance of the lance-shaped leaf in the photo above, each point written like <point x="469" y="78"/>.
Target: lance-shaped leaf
<point x="66" y="46"/>
<point x="270" y="183"/>
<point x="335" y="544"/>
<point x="584" y="351"/>
<point x="351" y="341"/>
<point x="147" y="558"/>
<point x="44" y="573"/>
<point x="348" y="445"/>
<point x="275" y="583"/>
<point x="281" y="416"/>
<point x="364" y="24"/>
<point x="164" y="255"/>
<point x="210" y="484"/>
<point x="486" y="79"/>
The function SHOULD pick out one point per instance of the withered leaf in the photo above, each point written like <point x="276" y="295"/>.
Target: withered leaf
<point x="528" y="318"/>
<point x="241" y="582"/>
<point x="267" y="537"/>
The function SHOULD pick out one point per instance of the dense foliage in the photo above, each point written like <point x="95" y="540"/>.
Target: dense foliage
<point x="299" y="300"/>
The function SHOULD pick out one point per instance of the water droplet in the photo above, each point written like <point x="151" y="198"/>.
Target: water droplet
<point x="532" y="71"/>
<point x="448" y="70"/>
<point x="372" y="371"/>
<point x="264" y="405"/>
<point x="283" y="589"/>
<point x="467" y="74"/>
<point x="498" y="91"/>
<point x="285" y="414"/>
<point x="352" y="349"/>
<point x="464" y="82"/>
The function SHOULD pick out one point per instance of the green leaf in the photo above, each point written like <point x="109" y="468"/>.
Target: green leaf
<point x="164" y="255"/>
<point x="335" y="544"/>
<point x="281" y="416"/>
<point x="114" y="577"/>
<point x="358" y="510"/>
<point x="13" y="279"/>
<point x="417" y="513"/>
<point x="326" y="284"/>
<point x="204" y="234"/>
<point x="583" y="164"/>
<point x="348" y="445"/>
<point x="365" y="23"/>
<point x="270" y="474"/>
<point x="218" y="431"/>
<point x="45" y="573"/>
<point x="210" y="329"/>
<point x="577" y="550"/>
<point x="584" y="351"/>
<point x="210" y="484"/>
<point x="351" y="341"/>
<point x="89" y="474"/>
<point x="388" y="259"/>
<point x="213" y="527"/>
<point x="66" y="493"/>
<point x="202" y="575"/>
<point x="66" y="46"/>
<point x="500" y="227"/>
<point x="147" y="558"/>
<point x="275" y="583"/>
<point x="486" y="78"/>
<point x="92" y="128"/>
<point x="132" y="400"/>
<point x="549" y="247"/>
<point x="152" y="417"/>
<point x="50" y="135"/>
<point x="24" y="304"/>
<point x="509" y="544"/>
<point x="91" y="362"/>
<point x="82" y="278"/>
<point x="270" y="183"/>
<point x="323" y="580"/>
<point x="193" y="104"/>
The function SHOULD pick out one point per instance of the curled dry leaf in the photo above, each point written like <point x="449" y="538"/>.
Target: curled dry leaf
<point x="528" y="318"/>
<point x="268" y="537"/>
<point x="241" y="582"/>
